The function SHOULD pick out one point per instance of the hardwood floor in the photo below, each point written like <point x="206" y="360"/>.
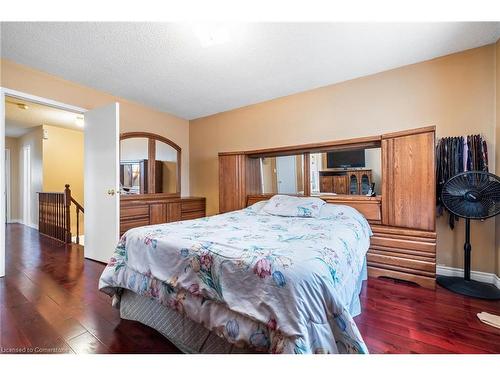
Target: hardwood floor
<point x="49" y="303"/>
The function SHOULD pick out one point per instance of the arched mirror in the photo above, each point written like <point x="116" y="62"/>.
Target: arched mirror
<point x="149" y="164"/>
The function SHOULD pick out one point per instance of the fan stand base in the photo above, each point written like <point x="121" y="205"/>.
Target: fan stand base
<point x="469" y="288"/>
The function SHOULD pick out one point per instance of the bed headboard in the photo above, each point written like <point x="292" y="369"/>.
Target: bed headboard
<point x="370" y="207"/>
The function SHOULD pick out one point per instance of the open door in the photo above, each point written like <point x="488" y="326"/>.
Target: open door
<point x="101" y="182"/>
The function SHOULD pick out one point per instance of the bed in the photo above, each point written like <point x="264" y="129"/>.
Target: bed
<point x="248" y="280"/>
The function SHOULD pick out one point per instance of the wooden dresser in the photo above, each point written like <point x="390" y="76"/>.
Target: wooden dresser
<point x="149" y="209"/>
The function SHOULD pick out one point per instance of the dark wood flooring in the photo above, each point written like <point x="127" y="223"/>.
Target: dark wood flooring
<point x="49" y="303"/>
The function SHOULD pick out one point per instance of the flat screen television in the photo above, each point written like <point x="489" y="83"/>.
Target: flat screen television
<point x="346" y="159"/>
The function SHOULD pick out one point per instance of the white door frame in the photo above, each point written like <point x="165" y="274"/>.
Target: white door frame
<point x="8" y="203"/>
<point x="26" y="186"/>
<point x="32" y="98"/>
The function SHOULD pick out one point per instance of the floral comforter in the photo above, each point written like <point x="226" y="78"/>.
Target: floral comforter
<point x="276" y="284"/>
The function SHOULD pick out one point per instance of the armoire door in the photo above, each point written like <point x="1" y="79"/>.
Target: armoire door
<point x="231" y="182"/>
<point x="408" y="188"/>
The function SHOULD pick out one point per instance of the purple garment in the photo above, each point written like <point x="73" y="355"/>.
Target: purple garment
<point x="466" y="153"/>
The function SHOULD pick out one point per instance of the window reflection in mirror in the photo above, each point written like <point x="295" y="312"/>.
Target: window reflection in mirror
<point x="166" y="168"/>
<point x="282" y="174"/>
<point x="133" y="165"/>
<point x="346" y="171"/>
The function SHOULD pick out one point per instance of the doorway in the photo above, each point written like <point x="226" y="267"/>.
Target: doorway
<point x="102" y="129"/>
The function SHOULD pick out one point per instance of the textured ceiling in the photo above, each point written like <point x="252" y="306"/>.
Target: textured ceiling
<point x="165" y="66"/>
<point x="19" y="121"/>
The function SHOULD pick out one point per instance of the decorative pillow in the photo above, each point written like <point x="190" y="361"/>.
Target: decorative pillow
<point x="285" y="205"/>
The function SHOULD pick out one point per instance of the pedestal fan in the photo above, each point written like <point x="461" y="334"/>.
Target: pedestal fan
<point x="471" y="195"/>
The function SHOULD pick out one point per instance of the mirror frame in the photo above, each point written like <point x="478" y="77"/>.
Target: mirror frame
<point x="152" y="138"/>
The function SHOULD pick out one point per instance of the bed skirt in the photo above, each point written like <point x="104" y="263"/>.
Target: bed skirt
<point x="191" y="337"/>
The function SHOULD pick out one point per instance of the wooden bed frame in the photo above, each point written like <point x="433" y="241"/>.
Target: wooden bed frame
<point x="403" y="217"/>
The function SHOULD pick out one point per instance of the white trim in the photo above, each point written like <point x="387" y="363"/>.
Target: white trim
<point x="484" y="277"/>
<point x="7" y="184"/>
<point x="2" y="182"/>
<point x="34" y="226"/>
<point x="26" y="187"/>
<point x="20" y="221"/>
<point x="44" y="101"/>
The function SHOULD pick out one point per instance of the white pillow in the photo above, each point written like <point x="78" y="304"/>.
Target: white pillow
<point x="285" y="205"/>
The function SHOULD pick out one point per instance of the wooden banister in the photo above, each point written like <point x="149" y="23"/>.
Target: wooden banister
<point x="54" y="215"/>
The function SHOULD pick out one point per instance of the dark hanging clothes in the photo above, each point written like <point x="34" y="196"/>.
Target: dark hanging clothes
<point x="456" y="155"/>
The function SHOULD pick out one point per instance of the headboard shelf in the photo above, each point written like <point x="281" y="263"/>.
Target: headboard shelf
<point x="403" y="217"/>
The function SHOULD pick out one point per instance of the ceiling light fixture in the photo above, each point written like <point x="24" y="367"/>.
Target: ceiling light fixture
<point x="79" y="121"/>
<point x="211" y="34"/>
<point x="17" y="104"/>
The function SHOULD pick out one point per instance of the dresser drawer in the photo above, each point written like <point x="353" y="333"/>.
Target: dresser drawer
<point x="134" y="211"/>
<point x="125" y="225"/>
<point x="192" y="215"/>
<point x="193" y="205"/>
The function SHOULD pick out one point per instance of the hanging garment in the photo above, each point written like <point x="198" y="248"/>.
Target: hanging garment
<point x="455" y="155"/>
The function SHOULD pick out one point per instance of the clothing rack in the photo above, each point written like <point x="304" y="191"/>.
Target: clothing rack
<point x="455" y="155"/>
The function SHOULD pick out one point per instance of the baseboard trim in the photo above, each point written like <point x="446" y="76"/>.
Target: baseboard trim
<point x="34" y="226"/>
<point x="484" y="277"/>
<point x="19" y="221"/>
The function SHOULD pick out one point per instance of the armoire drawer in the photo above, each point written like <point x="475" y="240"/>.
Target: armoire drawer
<point x="427" y="266"/>
<point x="403" y="253"/>
<point x="401" y="243"/>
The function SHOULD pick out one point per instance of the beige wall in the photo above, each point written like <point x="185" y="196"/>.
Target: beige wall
<point x="13" y="145"/>
<point x="455" y="93"/>
<point x="62" y="161"/>
<point x="133" y="116"/>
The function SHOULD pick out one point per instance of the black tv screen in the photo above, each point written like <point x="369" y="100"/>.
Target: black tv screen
<point x="346" y="159"/>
